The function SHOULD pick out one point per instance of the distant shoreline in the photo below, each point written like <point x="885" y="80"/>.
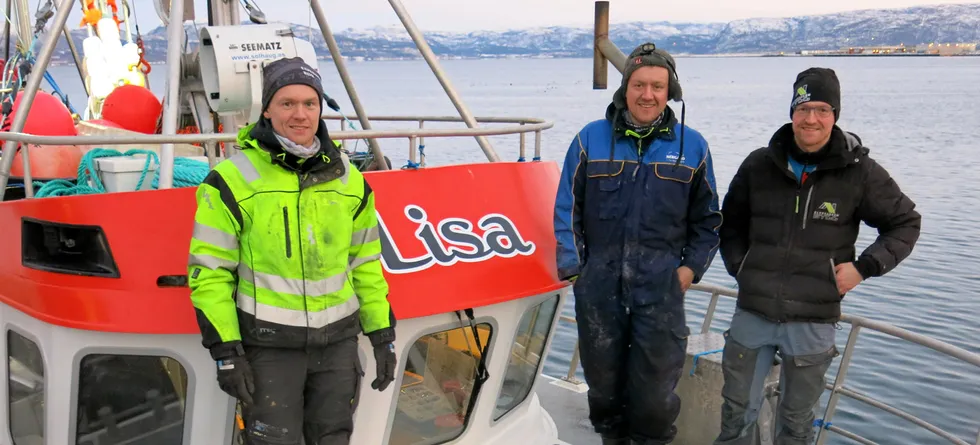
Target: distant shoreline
<point x="692" y="56"/>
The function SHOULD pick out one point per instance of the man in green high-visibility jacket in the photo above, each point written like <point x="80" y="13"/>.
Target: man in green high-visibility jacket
<point x="284" y="271"/>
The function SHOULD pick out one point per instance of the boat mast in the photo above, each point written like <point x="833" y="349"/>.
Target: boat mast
<point x="603" y="49"/>
<point x="223" y="13"/>
<point x="171" y="105"/>
<point x="338" y="60"/>
<point x="433" y="62"/>
<point x="25" y="36"/>
<point x="78" y="59"/>
<point x="6" y="32"/>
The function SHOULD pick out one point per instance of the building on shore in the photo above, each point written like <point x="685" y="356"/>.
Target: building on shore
<point x="925" y="49"/>
<point x="947" y="49"/>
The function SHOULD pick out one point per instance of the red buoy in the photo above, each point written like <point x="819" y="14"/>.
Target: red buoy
<point x="134" y="108"/>
<point x="48" y="116"/>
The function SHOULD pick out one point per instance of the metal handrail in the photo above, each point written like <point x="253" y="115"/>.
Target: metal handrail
<point x="479" y="119"/>
<point x="414" y="145"/>
<point x="837" y="388"/>
<point x="525" y="125"/>
<point x="230" y="137"/>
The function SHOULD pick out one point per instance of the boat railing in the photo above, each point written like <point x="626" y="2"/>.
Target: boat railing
<point x="525" y="125"/>
<point x="531" y="124"/>
<point x="415" y="136"/>
<point x="837" y="388"/>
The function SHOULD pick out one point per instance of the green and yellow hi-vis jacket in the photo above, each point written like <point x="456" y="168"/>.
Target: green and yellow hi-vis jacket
<point x="285" y="251"/>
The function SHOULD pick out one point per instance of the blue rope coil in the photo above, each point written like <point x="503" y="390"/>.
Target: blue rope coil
<point x="819" y="423"/>
<point x="187" y="173"/>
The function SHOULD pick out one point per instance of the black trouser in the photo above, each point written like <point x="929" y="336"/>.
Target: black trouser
<point x="303" y="394"/>
<point x="632" y="363"/>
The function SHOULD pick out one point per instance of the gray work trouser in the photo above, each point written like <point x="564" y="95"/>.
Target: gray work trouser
<point x="303" y="396"/>
<point x="751" y="344"/>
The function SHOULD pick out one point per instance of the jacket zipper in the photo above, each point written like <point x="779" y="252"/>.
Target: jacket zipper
<point x="742" y="266"/>
<point x="792" y="237"/>
<point x="633" y="227"/>
<point x="285" y="222"/>
<point x="302" y="263"/>
<point x="806" y="208"/>
<point x="799" y="187"/>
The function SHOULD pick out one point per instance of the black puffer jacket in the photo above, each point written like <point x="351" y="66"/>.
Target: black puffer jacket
<point x="781" y="238"/>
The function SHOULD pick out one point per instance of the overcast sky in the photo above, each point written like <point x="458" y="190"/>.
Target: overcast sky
<point x="472" y="15"/>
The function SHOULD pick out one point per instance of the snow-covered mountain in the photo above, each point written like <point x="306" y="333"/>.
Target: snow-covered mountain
<point x="925" y="24"/>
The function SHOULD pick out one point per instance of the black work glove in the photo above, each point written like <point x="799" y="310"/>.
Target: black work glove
<point x="234" y="373"/>
<point x="384" y="357"/>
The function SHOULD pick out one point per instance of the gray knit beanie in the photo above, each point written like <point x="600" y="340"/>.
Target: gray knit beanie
<point x="291" y="71"/>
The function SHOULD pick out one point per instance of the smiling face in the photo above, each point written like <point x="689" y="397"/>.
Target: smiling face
<point x="295" y="113"/>
<point x="646" y="93"/>
<point x="812" y="124"/>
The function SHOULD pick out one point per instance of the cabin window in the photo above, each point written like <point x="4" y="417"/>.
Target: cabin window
<point x="525" y="356"/>
<point x="25" y="390"/>
<point x="437" y="386"/>
<point x="124" y="398"/>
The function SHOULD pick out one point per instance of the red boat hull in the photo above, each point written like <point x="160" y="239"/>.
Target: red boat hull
<point x="455" y="237"/>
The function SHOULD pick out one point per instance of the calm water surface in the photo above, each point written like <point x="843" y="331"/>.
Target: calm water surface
<point x="919" y="116"/>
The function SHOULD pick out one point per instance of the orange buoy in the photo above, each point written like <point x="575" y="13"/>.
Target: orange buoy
<point x="48" y="116"/>
<point x="49" y="162"/>
<point x="134" y="108"/>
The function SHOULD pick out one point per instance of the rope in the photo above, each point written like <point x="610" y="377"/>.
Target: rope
<point x="694" y="364"/>
<point x="409" y="165"/>
<point x="353" y="127"/>
<point x="187" y="173"/>
<point x="819" y="423"/>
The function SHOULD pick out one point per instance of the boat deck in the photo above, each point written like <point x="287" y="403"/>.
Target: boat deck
<point x="567" y="404"/>
<point x="568" y="407"/>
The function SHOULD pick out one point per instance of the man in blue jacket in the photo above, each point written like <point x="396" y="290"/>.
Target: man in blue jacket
<point x="636" y="222"/>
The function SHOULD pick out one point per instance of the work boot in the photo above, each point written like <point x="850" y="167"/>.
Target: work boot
<point x="608" y="441"/>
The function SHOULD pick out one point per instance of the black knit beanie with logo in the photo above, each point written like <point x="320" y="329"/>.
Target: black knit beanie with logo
<point x="816" y="84"/>
<point x="291" y="71"/>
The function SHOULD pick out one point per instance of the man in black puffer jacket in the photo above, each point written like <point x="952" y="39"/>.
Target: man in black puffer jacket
<point x="791" y="219"/>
